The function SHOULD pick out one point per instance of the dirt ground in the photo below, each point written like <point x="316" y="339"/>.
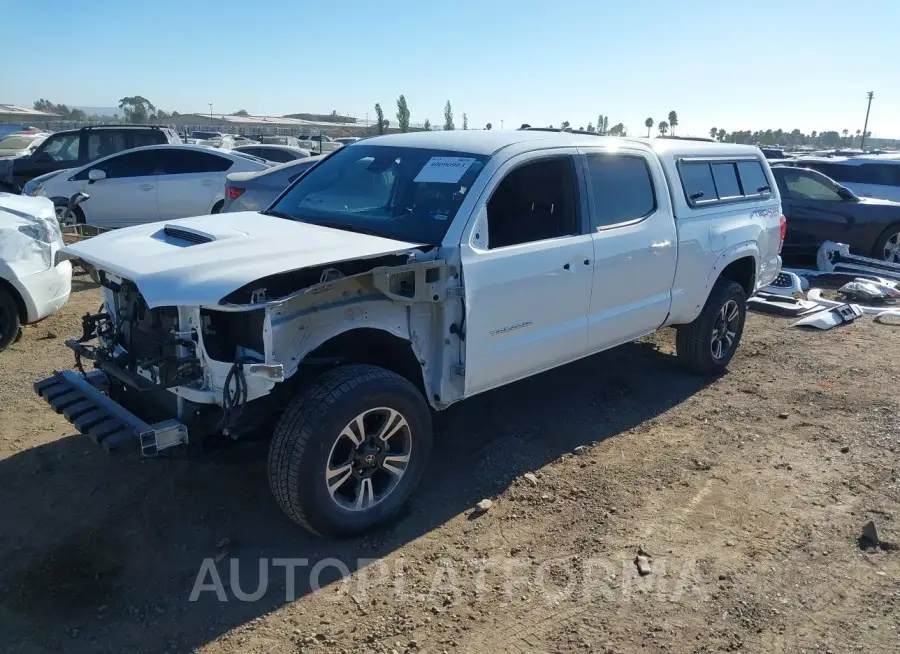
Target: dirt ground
<point x="748" y="494"/>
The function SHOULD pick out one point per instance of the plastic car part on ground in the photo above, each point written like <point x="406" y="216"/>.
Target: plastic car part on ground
<point x="831" y="317"/>
<point x="836" y="257"/>
<point x="884" y="317"/>
<point x="786" y="283"/>
<point x="863" y="289"/>
<point x="781" y="305"/>
<point x="815" y="294"/>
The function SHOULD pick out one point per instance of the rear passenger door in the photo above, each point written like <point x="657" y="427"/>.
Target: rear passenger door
<point x="190" y="182"/>
<point x="634" y="245"/>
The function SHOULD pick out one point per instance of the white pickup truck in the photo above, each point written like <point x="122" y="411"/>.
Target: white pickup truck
<point x="403" y="274"/>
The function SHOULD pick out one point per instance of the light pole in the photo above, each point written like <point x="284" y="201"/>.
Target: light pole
<point x="210" y="113"/>
<point x="862" y="144"/>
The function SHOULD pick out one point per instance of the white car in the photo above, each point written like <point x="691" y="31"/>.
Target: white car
<point x="31" y="287"/>
<point x="144" y="185"/>
<point x="406" y="273"/>
<point x="21" y="143"/>
<point x="321" y="143"/>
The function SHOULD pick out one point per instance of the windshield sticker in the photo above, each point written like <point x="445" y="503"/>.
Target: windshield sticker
<point x="444" y="170"/>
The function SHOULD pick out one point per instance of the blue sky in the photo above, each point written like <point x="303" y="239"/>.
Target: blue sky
<point x="737" y="65"/>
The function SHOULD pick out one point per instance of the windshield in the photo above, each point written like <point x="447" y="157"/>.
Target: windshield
<point x="16" y="142"/>
<point x="408" y="194"/>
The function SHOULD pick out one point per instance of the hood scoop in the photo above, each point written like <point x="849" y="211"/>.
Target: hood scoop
<point x="183" y="237"/>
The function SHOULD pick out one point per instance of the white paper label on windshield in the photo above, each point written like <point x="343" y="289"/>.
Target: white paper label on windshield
<point x="444" y="170"/>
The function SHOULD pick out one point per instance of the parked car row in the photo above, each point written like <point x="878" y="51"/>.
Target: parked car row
<point x="146" y="184"/>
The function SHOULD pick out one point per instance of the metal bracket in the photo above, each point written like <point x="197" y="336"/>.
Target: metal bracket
<point x="163" y="435"/>
<point x="457" y="369"/>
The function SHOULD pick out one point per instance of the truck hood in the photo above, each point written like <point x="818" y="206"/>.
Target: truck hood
<point x="198" y="261"/>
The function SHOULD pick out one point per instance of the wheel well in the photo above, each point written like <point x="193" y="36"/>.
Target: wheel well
<point x="375" y="347"/>
<point x="20" y="303"/>
<point x="742" y="271"/>
<point x="217" y="207"/>
<point x="890" y="228"/>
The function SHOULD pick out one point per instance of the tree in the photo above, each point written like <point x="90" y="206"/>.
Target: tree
<point x="60" y="110"/>
<point x="386" y="124"/>
<point x="648" y="124"/>
<point x="137" y="108"/>
<point x="602" y="124"/>
<point x="845" y="133"/>
<point x="813" y="134"/>
<point x="617" y="130"/>
<point x="379" y="118"/>
<point x="465" y="121"/>
<point x="713" y="132"/>
<point x="663" y="127"/>
<point x="721" y="134"/>
<point x="427" y="125"/>
<point x="175" y="113"/>
<point x="402" y="114"/>
<point x="488" y="127"/>
<point x="564" y="125"/>
<point x="590" y="127"/>
<point x="162" y="115"/>
<point x="241" y="112"/>
<point x="673" y="121"/>
<point x="448" y="116"/>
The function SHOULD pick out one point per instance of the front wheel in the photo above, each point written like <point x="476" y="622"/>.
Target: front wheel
<point x="10" y="327"/>
<point x="349" y="452"/>
<point x="887" y="248"/>
<point x="707" y="345"/>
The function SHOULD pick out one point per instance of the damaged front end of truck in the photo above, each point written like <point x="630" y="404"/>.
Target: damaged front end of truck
<point x="158" y="372"/>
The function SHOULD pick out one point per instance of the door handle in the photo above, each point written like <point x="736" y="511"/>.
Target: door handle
<point x="566" y="267"/>
<point x="660" y="245"/>
<point x="147" y="187"/>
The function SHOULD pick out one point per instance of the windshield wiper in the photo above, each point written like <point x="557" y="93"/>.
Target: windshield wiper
<point x="278" y="214"/>
<point x="347" y="228"/>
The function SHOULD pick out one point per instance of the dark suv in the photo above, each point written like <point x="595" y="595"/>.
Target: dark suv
<point x="77" y="147"/>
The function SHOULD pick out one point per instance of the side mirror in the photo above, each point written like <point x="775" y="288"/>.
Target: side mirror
<point x="95" y="175"/>
<point x="846" y="194"/>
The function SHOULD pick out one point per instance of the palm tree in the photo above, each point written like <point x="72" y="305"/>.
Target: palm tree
<point x="648" y="124"/>
<point x="713" y="133"/>
<point x="673" y="121"/>
<point x="845" y="132"/>
<point x="663" y="127"/>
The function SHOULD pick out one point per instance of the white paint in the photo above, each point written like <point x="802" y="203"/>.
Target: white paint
<point x="26" y="262"/>
<point x="122" y="201"/>
<point x="247" y="246"/>
<point x="444" y="170"/>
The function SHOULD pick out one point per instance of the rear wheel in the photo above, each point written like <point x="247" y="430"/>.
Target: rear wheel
<point x="707" y="345"/>
<point x="349" y="452"/>
<point x="10" y="324"/>
<point x="217" y="207"/>
<point x="887" y="247"/>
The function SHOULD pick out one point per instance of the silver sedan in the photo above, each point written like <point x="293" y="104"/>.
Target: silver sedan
<point x="256" y="191"/>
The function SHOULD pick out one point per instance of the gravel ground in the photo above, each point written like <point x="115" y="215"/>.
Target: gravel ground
<point x="747" y="496"/>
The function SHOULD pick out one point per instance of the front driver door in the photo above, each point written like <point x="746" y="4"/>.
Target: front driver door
<point x="128" y="195"/>
<point x="526" y="267"/>
<point x="816" y="212"/>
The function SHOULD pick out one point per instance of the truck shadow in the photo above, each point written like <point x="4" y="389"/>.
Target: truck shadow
<point x="98" y="554"/>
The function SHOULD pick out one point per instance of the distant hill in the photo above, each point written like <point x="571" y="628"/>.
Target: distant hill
<point x="100" y="111"/>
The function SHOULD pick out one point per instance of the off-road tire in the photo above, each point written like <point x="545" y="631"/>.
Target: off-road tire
<point x="307" y="430"/>
<point x="693" y="341"/>
<point x="10" y="323"/>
